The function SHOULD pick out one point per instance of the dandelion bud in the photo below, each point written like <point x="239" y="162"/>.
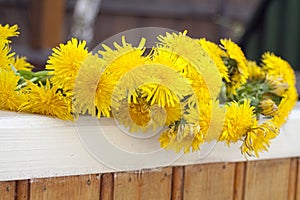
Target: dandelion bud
<point x="277" y="84"/>
<point x="268" y="108"/>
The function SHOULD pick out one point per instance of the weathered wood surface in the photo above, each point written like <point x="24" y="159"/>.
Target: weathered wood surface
<point x="72" y="187"/>
<point x="298" y="181"/>
<point x="209" y="181"/>
<point x="267" y="179"/>
<point x="154" y="184"/>
<point x="259" y="180"/>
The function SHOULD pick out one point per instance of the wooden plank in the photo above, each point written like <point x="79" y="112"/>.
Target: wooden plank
<point x="152" y="185"/>
<point x="239" y="181"/>
<point x="107" y="183"/>
<point x="73" y="187"/>
<point x="267" y="179"/>
<point x="209" y="181"/>
<point x="47" y="18"/>
<point x="22" y="190"/>
<point x="293" y="179"/>
<point x="298" y="182"/>
<point x="177" y="183"/>
<point x="7" y="190"/>
<point x="39" y="146"/>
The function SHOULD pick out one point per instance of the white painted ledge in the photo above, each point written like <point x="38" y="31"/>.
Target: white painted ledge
<point x="33" y="146"/>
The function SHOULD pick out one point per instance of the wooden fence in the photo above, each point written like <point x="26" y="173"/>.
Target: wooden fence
<point x="263" y="179"/>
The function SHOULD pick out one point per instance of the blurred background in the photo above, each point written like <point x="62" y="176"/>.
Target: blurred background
<point x="256" y="25"/>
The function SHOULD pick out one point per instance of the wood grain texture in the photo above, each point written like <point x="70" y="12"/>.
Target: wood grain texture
<point x="107" y="184"/>
<point x="298" y="181"/>
<point x="47" y="19"/>
<point x="267" y="179"/>
<point x="239" y="181"/>
<point x="73" y="187"/>
<point x="209" y="181"/>
<point x="150" y="185"/>
<point x="7" y="190"/>
<point x="177" y="183"/>
<point x="293" y="178"/>
<point x="22" y="190"/>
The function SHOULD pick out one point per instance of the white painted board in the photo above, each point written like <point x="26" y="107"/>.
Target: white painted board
<point x="33" y="146"/>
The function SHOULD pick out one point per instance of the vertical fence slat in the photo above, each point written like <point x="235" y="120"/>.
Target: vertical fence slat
<point x="7" y="190"/>
<point x="107" y="184"/>
<point x="293" y="179"/>
<point x="298" y="181"/>
<point x="73" y="187"/>
<point x="239" y="181"/>
<point x="262" y="179"/>
<point x="267" y="179"/>
<point x="145" y="185"/>
<point x="177" y="183"/>
<point x="209" y="181"/>
<point x="22" y="190"/>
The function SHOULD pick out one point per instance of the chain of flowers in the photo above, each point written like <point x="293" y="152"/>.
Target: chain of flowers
<point x="245" y="102"/>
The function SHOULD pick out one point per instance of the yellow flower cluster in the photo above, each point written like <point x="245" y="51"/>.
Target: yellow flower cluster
<point x="18" y="91"/>
<point x="178" y="85"/>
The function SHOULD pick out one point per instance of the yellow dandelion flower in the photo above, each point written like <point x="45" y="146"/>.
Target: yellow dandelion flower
<point x="140" y="112"/>
<point x="21" y="63"/>
<point x="197" y="141"/>
<point x="275" y="66"/>
<point x="178" y="138"/>
<point x="280" y="74"/>
<point x="286" y="105"/>
<point x="268" y="108"/>
<point x="5" y="57"/>
<point x="125" y="66"/>
<point x="255" y="72"/>
<point x="124" y="58"/>
<point x="159" y="90"/>
<point x="183" y="46"/>
<point x="168" y="58"/>
<point x="191" y="113"/>
<point x="238" y="121"/>
<point x="65" y="62"/>
<point x="199" y="61"/>
<point x="180" y="43"/>
<point x="159" y="94"/>
<point x="47" y="100"/>
<point x="173" y="113"/>
<point x="166" y="115"/>
<point x="104" y="95"/>
<point x="10" y="97"/>
<point x="237" y="63"/>
<point x="190" y="50"/>
<point x="7" y="32"/>
<point x="111" y="55"/>
<point x="201" y="88"/>
<point x="167" y="136"/>
<point x="216" y="55"/>
<point x="277" y="85"/>
<point x="135" y="116"/>
<point x="258" y="138"/>
<point x="193" y="116"/>
<point x="90" y="89"/>
<point x="209" y="119"/>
